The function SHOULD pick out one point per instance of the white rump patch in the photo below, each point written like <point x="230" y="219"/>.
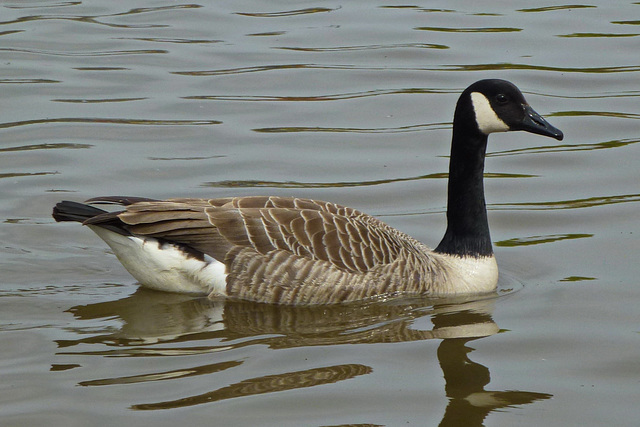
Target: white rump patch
<point x="487" y="119"/>
<point x="164" y="266"/>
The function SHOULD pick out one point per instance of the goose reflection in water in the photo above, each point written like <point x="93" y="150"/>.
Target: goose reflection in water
<point x="199" y="326"/>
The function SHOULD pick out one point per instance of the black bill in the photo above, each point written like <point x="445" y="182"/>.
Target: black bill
<point x="535" y="123"/>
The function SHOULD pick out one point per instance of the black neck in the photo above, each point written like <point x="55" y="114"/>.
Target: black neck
<point x="467" y="226"/>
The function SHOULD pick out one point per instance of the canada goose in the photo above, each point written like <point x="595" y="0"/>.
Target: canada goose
<point x="300" y="251"/>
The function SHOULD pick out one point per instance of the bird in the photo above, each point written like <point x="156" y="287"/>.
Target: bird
<point x="297" y="251"/>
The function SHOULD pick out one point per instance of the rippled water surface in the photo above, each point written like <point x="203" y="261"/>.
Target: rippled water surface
<point x="350" y="102"/>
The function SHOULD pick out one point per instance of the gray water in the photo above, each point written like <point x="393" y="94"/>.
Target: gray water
<point x="349" y="102"/>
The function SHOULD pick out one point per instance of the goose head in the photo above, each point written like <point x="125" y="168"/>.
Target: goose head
<point x="485" y="107"/>
<point x="493" y="105"/>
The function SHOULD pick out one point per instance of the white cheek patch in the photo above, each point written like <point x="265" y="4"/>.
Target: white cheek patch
<point x="487" y="119"/>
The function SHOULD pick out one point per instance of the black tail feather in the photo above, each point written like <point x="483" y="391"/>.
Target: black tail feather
<point x="89" y="215"/>
<point x="74" y="211"/>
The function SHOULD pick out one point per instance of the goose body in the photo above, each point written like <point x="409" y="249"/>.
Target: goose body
<point x="301" y="251"/>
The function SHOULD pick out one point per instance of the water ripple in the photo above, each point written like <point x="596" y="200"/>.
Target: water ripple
<point x="160" y="376"/>
<point x="45" y="147"/>
<point x="28" y="81"/>
<point x="576" y="279"/>
<point x="470" y="30"/>
<point x="598" y="35"/>
<point x="89" y="54"/>
<point x="6" y="33"/>
<point x="102" y="68"/>
<point x="570" y="204"/>
<point x="260" y="68"/>
<point x="267" y="34"/>
<point x="626" y="22"/>
<point x="365" y="47"/>
<point x="419" y="9"/>
<point x="169" y="40"/>
<point x="143" y="122"/>
<point x="331" y="97"/>
<point x="537" y="240"/>
<point x="97" y="101"/>
<point x="502" y="66"/>
<point x="604" y="95"/>
<point x="510" y="66"/>
<point x="615" y="143"/>
<point x="287" y="12"/>
<point x="96" y="19"/>
<point x="297" y="184"/>
<point x="554" y="8"/>
<point x="23" y="174"/>
<point x="41" y="6"/>
<point x="632" y="116"/>
<point x="82" y="19"/>
<point x="399" y="129"/>
<point x="187" y="158"/>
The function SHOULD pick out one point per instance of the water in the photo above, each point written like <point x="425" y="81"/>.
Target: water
<point x="350" y="103"/>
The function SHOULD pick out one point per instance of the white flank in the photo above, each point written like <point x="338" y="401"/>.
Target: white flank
<point x="469" y="274"/>
<point x="487" y="119"/>
<point x="165" y="267"/>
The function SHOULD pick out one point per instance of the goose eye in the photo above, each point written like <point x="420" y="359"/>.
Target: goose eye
<point x="502" y="99"/>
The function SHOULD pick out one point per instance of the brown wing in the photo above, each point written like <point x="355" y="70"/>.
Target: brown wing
<point x="346" y="238"/>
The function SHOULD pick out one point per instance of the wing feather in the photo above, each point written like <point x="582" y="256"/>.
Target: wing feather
<point x="346" y="238"/>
